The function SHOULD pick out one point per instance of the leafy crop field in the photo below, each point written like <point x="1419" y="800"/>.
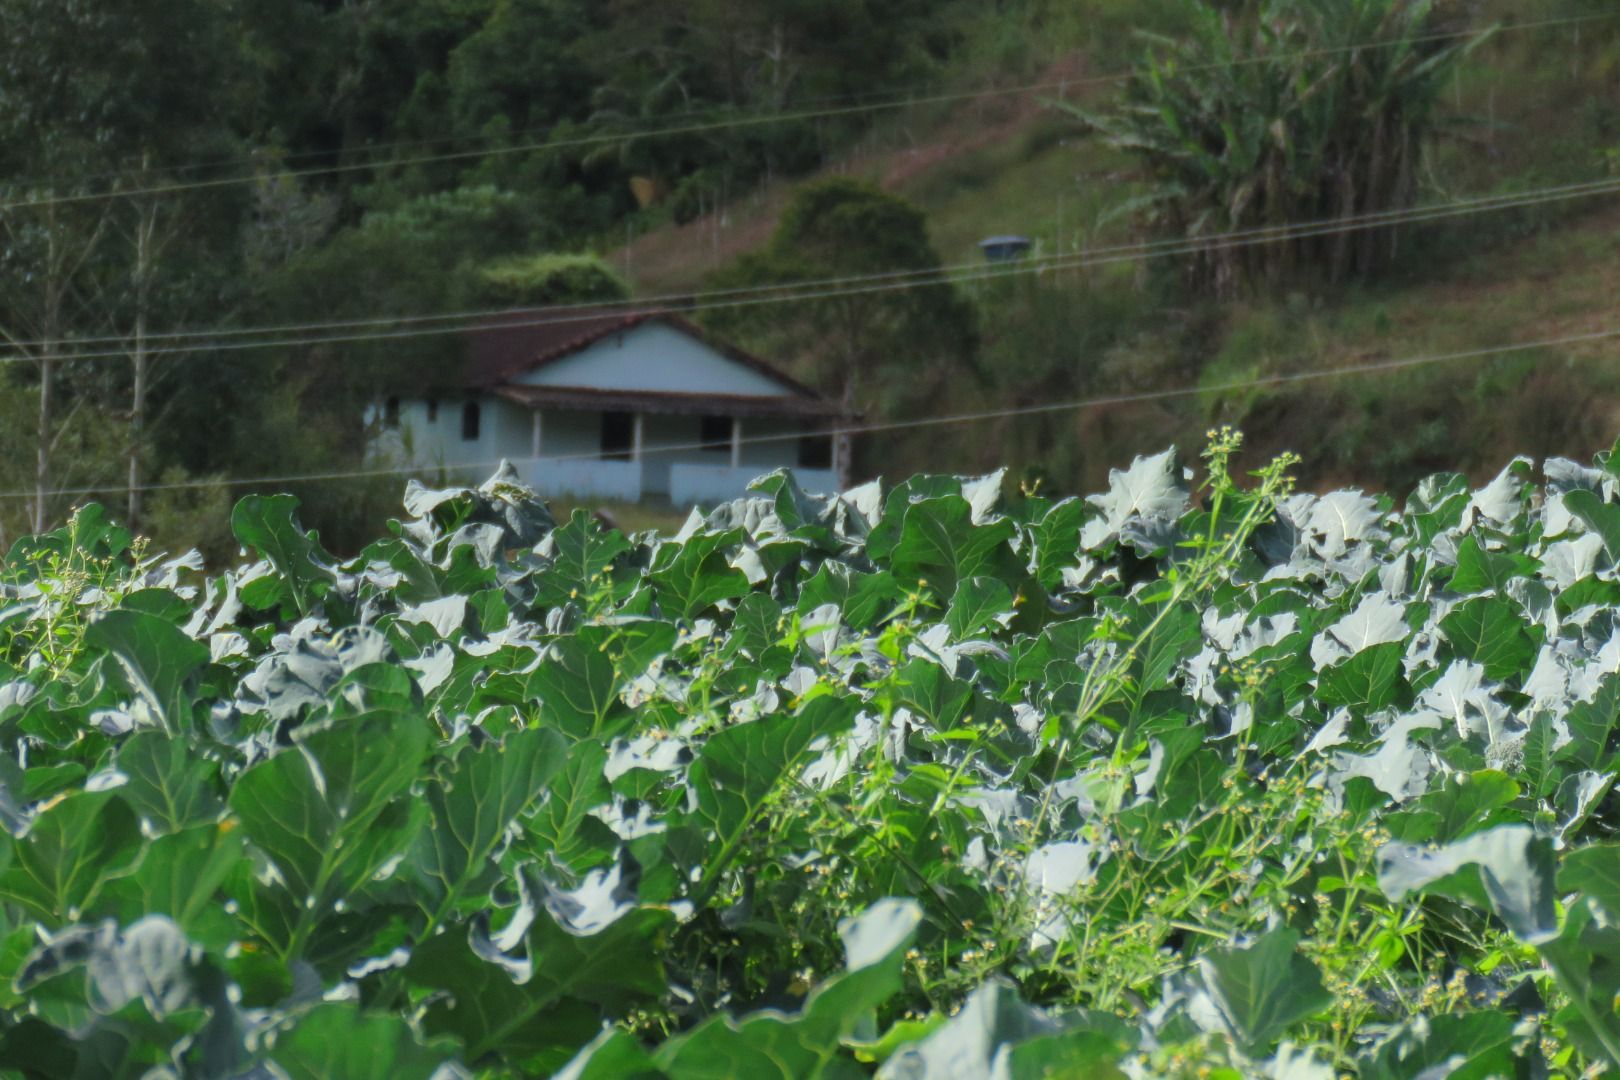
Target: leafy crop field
<point x="1197" y="777"/>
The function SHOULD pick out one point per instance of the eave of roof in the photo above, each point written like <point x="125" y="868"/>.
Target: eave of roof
<point x="591" y="399"/>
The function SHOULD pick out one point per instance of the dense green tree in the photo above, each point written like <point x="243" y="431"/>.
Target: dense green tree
<point x="102" y="104"/>
<point x="877" y="349"/>
<point x="1276" y="112"/>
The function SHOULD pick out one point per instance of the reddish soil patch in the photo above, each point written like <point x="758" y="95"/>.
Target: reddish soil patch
<point x="678" y="257"/>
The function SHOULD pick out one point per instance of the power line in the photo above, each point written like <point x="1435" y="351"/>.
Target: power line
<point x="1137" y="397"/>
<point x="696" y="298"/>
<point x="771" y="118"/>
<point x="851" y="285"/>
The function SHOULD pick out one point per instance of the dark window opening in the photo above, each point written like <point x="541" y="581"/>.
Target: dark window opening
<point x="433" y="410"/>
<point x="391" y="413"/>
<point x="472" y="418"/>
<point x="714" y="432"/>
<point x="617" y="433"/>
<point x="815" y="451"/>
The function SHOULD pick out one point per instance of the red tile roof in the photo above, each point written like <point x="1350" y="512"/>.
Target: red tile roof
<point x="504" y="346"/>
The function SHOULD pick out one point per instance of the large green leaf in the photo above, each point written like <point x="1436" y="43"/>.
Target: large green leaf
<point x="693" y="576"/>
<point x="70" y="851"/>
<point x="157" y="660"/>
<point x="180" y="877"/>
<point x="940" y="543"/>
<point x="1367" y="681"/>
<point x="477" y="800"/>
<point x="1142" y="504"/>
<point x="168" y="781"/>
<point x="1475" y="1045"/>
<point x="1600" y="517"/>
<point x="581" y="553"/>
<point x="545" y="1017"/>
<point x="336" y="1041"/>
<point x="1593" y="870"/>
<point x="990" y="1024"/>
<point x="977" y="604"/>
<point x="1507" y="870"/>
<point x="1264" y="988"/>
<point x="805" y="1045"/>
<point x="1488" y="631"/>
<point x="741" y="766"/>
<point x="561" y="827"/>
<point x="269" y="525"/>
<point x="578" y="682"/>
<point x="330" y="810"/>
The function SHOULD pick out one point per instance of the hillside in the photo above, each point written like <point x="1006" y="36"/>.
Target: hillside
<point x="1531" y="108"/>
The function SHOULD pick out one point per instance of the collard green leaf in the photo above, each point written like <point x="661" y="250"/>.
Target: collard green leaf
<point x="861" y="598"/>
<point x="1262" y="989"/>
<point x="582" y="552"/>
<point x="1507" y="870"/>
<point x="1481" y="571"/>
<point x="991" y="1022"/>
<point x="807" y="1044"/>
<point x="1600" y="517"/>
<point x="70" y="851"/>
<point x="1487" y="631"/>
<point x="168" y="781"/>
<point x="561" y="827"/>
<point x="1142" y="505"/>
<point x="269" y="525"/>
<point x="577" y="683"/>
<point x="613" y="1055"/>
<point x="1593" y="870"/>
<point x="1473" y="1044"/>
<point x="740" y="767"/>
<point x="1055" y="541"/>
<point x="157" y="660"/>
<point x="1367" y="681"/>
<point x="693" y="576"/>
<point x="554" y="1011"/>
<point x="1463" y="804"/>
<point x="336" y="1041"/>
<point x="180" y="877"/>
<point x="329" y="810"/>
<point x="977" y="603"/>
<point x="940" y="544"/>
<point x="476" y="801"/>
<point x="1377" y="620"/>
<point x="1584" y="958"/>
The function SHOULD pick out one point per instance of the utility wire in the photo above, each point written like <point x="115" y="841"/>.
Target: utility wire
<point x="750" y="296"/>
<point x="1281" y="379"/>
<point x="767" y="118"/>
<point x="694" y="300"/>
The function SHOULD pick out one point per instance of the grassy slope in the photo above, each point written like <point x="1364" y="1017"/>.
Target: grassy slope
<point x="1544" y="109"/>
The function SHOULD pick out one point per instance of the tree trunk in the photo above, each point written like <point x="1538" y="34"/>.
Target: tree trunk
<point x="138" y="356"/>
<point x="843" y="440"/>
<point x="42" y="467"/>
<point x="51" y="330"/>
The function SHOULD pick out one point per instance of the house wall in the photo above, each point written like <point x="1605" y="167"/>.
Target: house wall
<point x="654" y="356"/>
<point x="569" y="437"/>
<point x="504" y="432"/>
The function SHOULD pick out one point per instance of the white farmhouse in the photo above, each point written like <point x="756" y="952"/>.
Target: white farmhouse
<point x="615" y="405"/>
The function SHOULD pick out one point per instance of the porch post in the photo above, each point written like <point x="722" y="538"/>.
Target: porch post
<point x="534" y="437"/>
<point x="635" y="437"/>
<point x="736" y="442"/>
<point x="837" y="461"/>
